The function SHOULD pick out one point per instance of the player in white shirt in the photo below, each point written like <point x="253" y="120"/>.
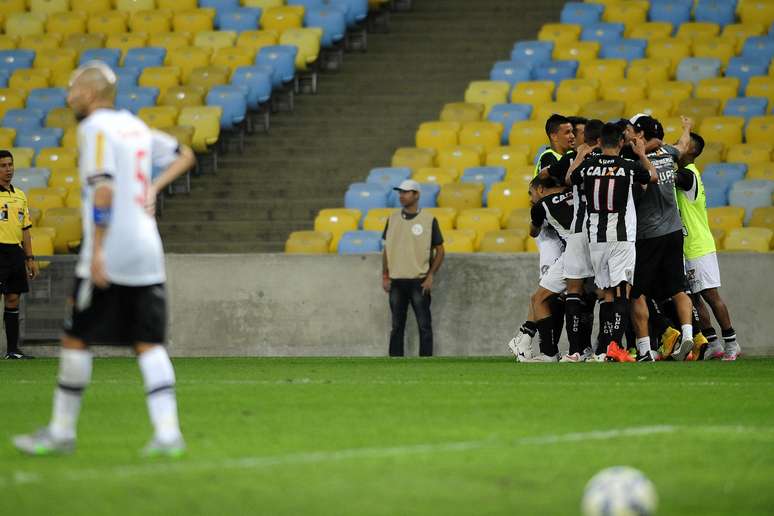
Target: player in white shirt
<point x="119" y="295"/>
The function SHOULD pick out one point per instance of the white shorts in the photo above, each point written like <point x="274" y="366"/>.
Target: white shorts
<point x="550" y="249"/>
<point x="702" y="273"/>
<point x="613" y="262"/>
<point x="553" y="279"/>
<point x="577" y="258"/>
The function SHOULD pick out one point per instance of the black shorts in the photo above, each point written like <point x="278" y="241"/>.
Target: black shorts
<point x="117" y="315"/>
<point x="659" y="270"/>
<point x="13" y="271"/>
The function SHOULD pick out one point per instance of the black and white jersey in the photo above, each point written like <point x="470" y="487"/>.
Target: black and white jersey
<point x="558" y="171"/>
<point x="607" y="182"/>
<point x="556" y="211"/>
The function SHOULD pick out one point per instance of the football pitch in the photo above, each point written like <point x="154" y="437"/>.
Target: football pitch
<point x="282" y="436"/>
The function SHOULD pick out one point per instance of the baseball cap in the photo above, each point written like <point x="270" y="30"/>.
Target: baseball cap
<point x="633" y="120"/>
<point x="407" y="186"/>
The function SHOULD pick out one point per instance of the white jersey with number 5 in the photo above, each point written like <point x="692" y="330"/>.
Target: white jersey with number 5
<point x="118" y="147"/>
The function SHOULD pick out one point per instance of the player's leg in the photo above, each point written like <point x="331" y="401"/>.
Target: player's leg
<point x="420" y="303"/>
<point x="541" y="305"/>
<point x="14" y="285"/>
<point x="720" y="310"/>
<point x="673" y="284"/>
<point x="662" y="326"/>
<point x="557" y="316"/>
<point x="574" y="313"/>
<point x="399" y="301"/>
<point x="521" y="344"/>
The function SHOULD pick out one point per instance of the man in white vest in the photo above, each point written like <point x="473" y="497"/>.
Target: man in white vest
<point x="413" y="253"/>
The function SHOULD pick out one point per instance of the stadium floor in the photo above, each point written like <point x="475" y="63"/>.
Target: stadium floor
<point x="410" y="437"/>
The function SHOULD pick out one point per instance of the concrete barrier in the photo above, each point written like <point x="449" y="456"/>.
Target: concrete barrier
<point x="293" y="305"/>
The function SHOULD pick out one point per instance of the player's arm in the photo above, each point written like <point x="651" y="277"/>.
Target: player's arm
<point x="438" y="253"/>
<point x="686" y="181"/>
<point x="386" y="283"/>
<point x="583" y="151"/>
<point x="537" y="217"/>
<point x="683" y="145"/>
<point x="29" y="258"/>
<point x="174" y="158"/>
<point x="639" y="149"/>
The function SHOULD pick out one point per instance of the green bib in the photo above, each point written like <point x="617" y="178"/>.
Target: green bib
<point x="547" y="151"/>
<point x="698" y="237"/>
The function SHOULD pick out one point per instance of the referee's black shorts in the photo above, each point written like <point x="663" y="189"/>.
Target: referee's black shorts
<point x="659" y="270"/>
<point x="13" y="271"/>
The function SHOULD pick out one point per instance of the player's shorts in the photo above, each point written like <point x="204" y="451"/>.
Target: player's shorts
<point x="13" y="271"/>
<point x="553" y="279"/>
<point x="702" y="273"/>
<point x="577" y="258"/>
<point x="118" y="315"/>
<point x="549" y="249"/>
<point x="613" y="263"/>
<point x="660" y="270"/>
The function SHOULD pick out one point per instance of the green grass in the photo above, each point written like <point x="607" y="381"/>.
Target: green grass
<point x="399" y="437"/>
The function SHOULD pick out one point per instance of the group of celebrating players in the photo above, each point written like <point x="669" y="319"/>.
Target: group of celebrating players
<point x="620" y="219"/>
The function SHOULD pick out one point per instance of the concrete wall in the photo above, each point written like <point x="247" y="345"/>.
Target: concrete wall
<point x="291" y="305"/>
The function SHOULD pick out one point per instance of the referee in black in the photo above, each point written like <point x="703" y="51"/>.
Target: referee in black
<point x="16" y="260"/>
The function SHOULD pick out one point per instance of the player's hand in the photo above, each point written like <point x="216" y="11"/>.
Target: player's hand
<point x="386" y="283"/>
<point x="638" y="145"/>
<point x="687" y="122"/>
<point x="582" y="150"/>
<point x="98" y="274"/>
<point x="427" y="285"/>
<point x="150" y="201"/>
<point x="32" y="269"/>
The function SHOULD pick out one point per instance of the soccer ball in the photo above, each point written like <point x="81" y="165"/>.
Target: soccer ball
<point x="619" y="491"/>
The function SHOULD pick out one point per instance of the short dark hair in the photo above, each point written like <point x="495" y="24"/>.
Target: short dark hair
<point x="577" y="120"/>
<point x="6" y="154"/>
<point x="649" y="127"/>
<point x="554" y="122"/>
<point x="543" y="180"/>
<point x="698" y="144"/>
<point x="611" y="135"/>
<point x="593" y="130"/>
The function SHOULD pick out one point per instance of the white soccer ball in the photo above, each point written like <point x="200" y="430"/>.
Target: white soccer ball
<point x="619" y="491"/>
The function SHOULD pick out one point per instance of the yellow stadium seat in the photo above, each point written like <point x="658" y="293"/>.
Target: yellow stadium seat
<point x="208" y="76"/>
<point x="602" y="70"/>
<point x="577" y="91"/>
<point x="413" y="158"/>
<point x="576" y="50"/>
<point x="714" y="152"/>
<point x="520" y="177"/>
<point x="27" y="79"/>
<point x="43" y="200"/>
<point x="188" y="58"/>
<point x="73" y="199"/>
<point x="376" y="219"/>
<point x="57" y="157"/>
<point x="761" y="87"/>
<point x="650" y="71"/>
<point x="214" y="39"/>
<point x="631" y="13"/>
<point x="67" y="178"/>
<point x="761" y="170"/>
<point x="605" y="110"/>
<point x="307" y="40"/>
<point x="567" y="108"/>
<point x="698" y="109"/>
<point x="507" y="196"/>
<point x="487" y="93"/>
<point x="183" y="134"/>
<point x="82" y="42"/>
<point x="459" y="158"/>
<point x="177" y="6"/>
<point x="108" y="22"/>
<point x="308" y="242"/>
<point x="125" y="41"/>
<point x="623" y="90"/>
<point x="13" y="6"/>
<point x="529" y="132"/>
<point x="651" y="30"/>
<point x="715" y="48"/>
<point x="22" y="156"/>
<point x="56" y="60"/>
<point x="23" y="24"/>
<point x="336" y="221"/>
<point x="206" y="123"/>
<point x="459" y="241"/>
<point x="263" y="4"/>
<point x="161" y="77"/>
<point x="437" y="135"/>
<point x="66" y="23"/>
<point x="61" y="117"/>
<point x="480" y="221"/>
<point x="40" y="42"/>
<point x="749" y="153"/>
<point x="11" y="98"/>
<point x="559" y="32"/>
<point x="149" y="22"/>
<point x="508" y="157"/>
<point x="720" y="88"/>
<point x="7" y="136"/>
<point x="42" y="240"/>
<point x="67" y="223"/>
<point x="8" y="42"/>
<point x="520" y="218"/>
<point x="192" y="21"/>
<point x="673" y="91"/>
<point x="256" y="39"/>
<point x="461" y="196"/>
<point x="726" y="218"/>
<point x="739" y="32"/>
<point x="234" y="57"/>
<point x="757" y="240"/>
<point x="91" y="6"/>
<point x="70" y="138"/>
<point x="476" y="134"/>
<point x="762" y="217"/>
<point x="159" y="116"/>
<point x="533" y="92"/>
<point x="182" y="96"/>
<point x="658" y="109"/>
<point x="49" y="7"/>
<point x="756" y="11"/>
<point x="436" y="175"/>
<point x="718" y="235"/>
<point x="133" y="6"/>
<point x="697" y="31"/>
<point x="674" y="49"/>
<point x="55" y="190"/>
<point x="282" y="18"/>
<point x="503" y="241"/>
<point x="723" y="129"/>
<point x="446" y="217"/>
<point x="760" y="129"/>
<point x="169" y="40"/>
<point x="462" y="112"/>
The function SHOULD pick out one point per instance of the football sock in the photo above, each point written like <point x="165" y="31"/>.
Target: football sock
<point x="710" y="334"/>
<point x="587" y="321"/>
<point x="529" y="328"/>
<point x="604" y="337"/>
<point x="557" y="315"/>
<point x="545" y="328"/>
<point x="574" y="319"/>
<point x="729" y="339"/>
<point x="618" y="320"/>
<point x="687" y="332"/>
<point x="643" y="345"/>
<point x="658" y="320"/>
<point x="159" y="378"/>
<point x="74" y="376"/>
<point x="11" y="320"/>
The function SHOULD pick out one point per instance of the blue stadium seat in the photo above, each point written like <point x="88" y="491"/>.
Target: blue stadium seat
<point x="238" y="20"/>
<point x="511" y="72"/>
<point x="257" y="79"/>
<point x="39" y="138"/>
<point x="628" y="49"/>
<point x="109" y="56"/>
<point x="581" y="13"/>
<point x="4" y="75"/>
<point x="307" y="4"/>
<point x="694" y="69"/>
<point x="365" y="196"/>
<point x="46" y="99"/>
<point x="602" y="32"/>
<point x="360" y="242"/>
<point x="333" y="22"/>
<point x="390" y="177"/>
<point x="23" y="119"/>
<point x="12" y="60"/>
<point x="744" y="68"/>
<point x="674" y="12"/>
<point x="759" y="47"/>
<point x="132" y="99"/>
<point x="751" y="194"/>
<point x="34" y="177"/>
<point x="282" y="59"/>
<point x="127" y="77"/>
<point x="485" y="175"/>
<point x="716" y="196"/>
<point x="428" y="196"/>
<point x="233" y="101"/>
<point x="556" y="71"/>
<point x="357" y="10"/>
<point x="534" y="52"/>
<point x="746" y="107"/>
<point x="715" y="11"/>
<point x="219" y="5"/>
<point x="509" y="114"/>
<point x="142" y="58"/>
<point x="723" y="174"/>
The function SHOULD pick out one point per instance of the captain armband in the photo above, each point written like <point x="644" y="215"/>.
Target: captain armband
<point x="102" y="216"/>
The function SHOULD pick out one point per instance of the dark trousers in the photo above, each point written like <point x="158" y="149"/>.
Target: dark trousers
<point x="403" y="292"/>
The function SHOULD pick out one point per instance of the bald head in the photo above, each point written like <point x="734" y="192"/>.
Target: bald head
<point x="92" y="86"/>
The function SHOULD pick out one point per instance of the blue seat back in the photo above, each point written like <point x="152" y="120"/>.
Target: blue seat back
<point x="628" y="49"/>
<point x="257" y="79"/>
<point x="512" y="72"/>
<point x="750" y="195"/>
<point x="759" y="47"/>
<point x="109" y="56"/>
<point x="39" y="138"/>
<point x="46" y="99"/>
<point x="717" y="196"/>
<point x="694" y="69"/>
<point x="745" y="67"/>
<point x="723" y="174"/>
<point x="555" y="71"/>
<point x="12" y="60"/>
<point x="360" y="242"/>
<point x="509" y="114"/>
<point x="602" y="32"/>
<point x="366" y="196"/>
<point x="282" y="58"/>
<point x="715" y="11"/>
<point x="331" y="19"/>
<point x="487" y="176"/>
<point x="233" y="101"/>
<point x="390" y="177"/>
<point x="132" y="99"/>
<point x="142" y="58"/>
<point x="33" y="177"/>
<point x="356" y="10"/>
<point x="746" y="107"/>
<point x="670" y="11"/>
<point x="238" y="20"/>
<point x="581" y="13"/>
<point x="23" y="119"/>
<point x="127" y="77"/>
<point x="535" y="52"/>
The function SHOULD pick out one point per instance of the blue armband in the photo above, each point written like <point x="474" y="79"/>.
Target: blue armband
<point x="102" y="216"/>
